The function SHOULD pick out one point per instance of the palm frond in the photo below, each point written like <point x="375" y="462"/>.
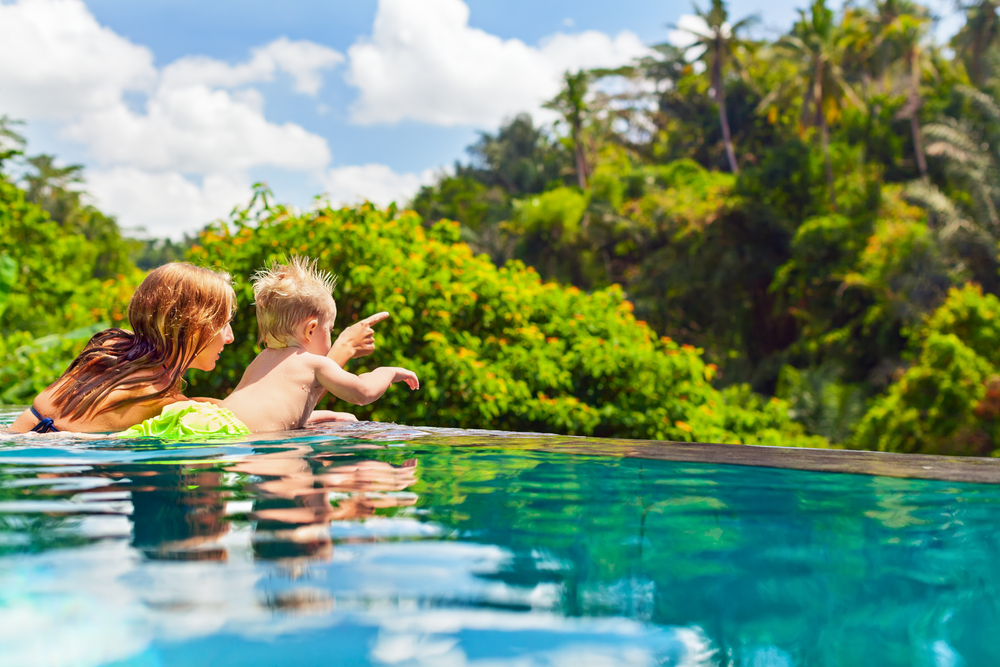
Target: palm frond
<point x="986" y="104"/>
<point x="953" y="140"/>
<point x="744" y="23"/>
<point x="769" y="99"/>
<point x="846" y="87"/>
<point x="950" y="219"/>
<point x="950" y="151"/>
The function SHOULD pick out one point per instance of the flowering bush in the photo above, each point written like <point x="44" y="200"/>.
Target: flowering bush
<point x="494" y="347"/>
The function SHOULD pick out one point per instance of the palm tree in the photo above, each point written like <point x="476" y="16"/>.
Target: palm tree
<point x="53" y="188"/>
<point x="717" y="43"/>
<point x="907" y="32"/>
<point x="11" y="141"/>
<point x="571" y="103"/>
<point x="878" y="45"/>
<point x="969" y="149"/>
<point x="973" y="40"/>
<point x="814" y="46"/>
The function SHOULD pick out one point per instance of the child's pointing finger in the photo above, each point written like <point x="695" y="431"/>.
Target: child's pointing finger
<point x="375" y="319"/>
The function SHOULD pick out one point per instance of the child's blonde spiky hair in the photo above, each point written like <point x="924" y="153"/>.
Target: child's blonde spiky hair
<point x="287" y="294"/>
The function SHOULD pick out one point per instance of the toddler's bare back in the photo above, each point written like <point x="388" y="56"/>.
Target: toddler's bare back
<point x="279" y="390"/>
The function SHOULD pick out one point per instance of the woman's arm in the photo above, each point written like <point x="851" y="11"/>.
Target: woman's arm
<point x="357" y="340"/>
<point x="24" y="423"/>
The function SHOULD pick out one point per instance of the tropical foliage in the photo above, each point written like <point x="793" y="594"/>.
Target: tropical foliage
<point x="797" y="208"/>
<point x="494" y="347"/>
<point x="948" y="401"/>
<point x="813" y="217"/>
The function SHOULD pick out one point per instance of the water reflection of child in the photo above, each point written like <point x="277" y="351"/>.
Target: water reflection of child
<point x="293" y="510"/>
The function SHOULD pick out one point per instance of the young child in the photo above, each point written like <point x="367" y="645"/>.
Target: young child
<point x="280" y="388"/>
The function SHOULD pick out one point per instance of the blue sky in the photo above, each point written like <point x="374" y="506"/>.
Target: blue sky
<point x="176" y="107"/>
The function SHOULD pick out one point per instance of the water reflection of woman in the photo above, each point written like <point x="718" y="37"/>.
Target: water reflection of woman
<point x="178" y="512"/>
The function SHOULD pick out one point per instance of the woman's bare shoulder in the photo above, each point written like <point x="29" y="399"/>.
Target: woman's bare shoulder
<point x="127" y="416"/>
<point x="118" y="419"/>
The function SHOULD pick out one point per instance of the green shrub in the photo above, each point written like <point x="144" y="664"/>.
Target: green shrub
<point x="53" y="288"/>
<point x="8" y="276"/>
<point x="821" y="401"/>
<point x="973" y="317"/>
<point x="48" y="286"/>
<point x="943" y="403"/>
<point x="28" y="365"/>
<point x="557" y="212"/>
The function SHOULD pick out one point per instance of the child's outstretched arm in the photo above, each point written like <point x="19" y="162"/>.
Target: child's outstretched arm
<point x="361" y="389"/>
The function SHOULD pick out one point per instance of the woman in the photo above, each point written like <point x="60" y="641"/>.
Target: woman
<point x="180" y="319"/>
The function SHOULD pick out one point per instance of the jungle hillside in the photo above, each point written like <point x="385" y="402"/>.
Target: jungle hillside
<point x="790" y="240"/>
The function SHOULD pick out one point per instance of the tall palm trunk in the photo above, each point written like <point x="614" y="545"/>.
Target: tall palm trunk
<point x="824" y="132"/>
<point x="581" y="158"/>
<point x="720" y="101"/>
<point x="918" y="146"/>
<point x="981" y="41"/>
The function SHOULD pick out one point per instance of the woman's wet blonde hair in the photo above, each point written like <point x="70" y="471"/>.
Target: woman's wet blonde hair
<point x="287" y="294"/>
<point x="176" y="311"/>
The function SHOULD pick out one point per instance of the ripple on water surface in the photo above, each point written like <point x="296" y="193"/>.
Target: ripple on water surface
<point x="400" y="546"/>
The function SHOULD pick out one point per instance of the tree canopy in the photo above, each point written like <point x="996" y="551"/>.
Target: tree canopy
<point x="753" y="230"/>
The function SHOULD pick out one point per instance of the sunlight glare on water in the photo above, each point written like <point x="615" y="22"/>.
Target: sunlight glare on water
<point x="394" y="546"/>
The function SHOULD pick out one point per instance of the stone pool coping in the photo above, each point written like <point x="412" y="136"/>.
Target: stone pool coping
<point x="979" y="470"/>
<point x="883" y="464"/>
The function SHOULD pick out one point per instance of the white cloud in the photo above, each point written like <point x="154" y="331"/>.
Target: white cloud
<point x="180" y="155"/>
<point x="57" y="61"/>
<point x="193" y="122"/>
<point x="200" y="130"/>
<point x="304" y="61"/>
<point x="201" y="117"/>
<point x="376" y="183"/>
<point x="165" y="203"/>
<point x="424" y="62"/>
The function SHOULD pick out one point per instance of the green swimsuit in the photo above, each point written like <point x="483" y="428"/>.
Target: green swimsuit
<point x="189" y="419"/>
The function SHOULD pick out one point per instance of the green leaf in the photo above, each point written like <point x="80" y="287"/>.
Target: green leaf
<point x="8" y="274"/>
<point x="46" y="343"/>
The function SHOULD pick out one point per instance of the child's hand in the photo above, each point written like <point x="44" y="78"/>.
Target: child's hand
<point x="409" y="377"/>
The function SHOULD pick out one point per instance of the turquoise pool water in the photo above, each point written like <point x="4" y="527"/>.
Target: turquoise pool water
<point x="395" y="546"/>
